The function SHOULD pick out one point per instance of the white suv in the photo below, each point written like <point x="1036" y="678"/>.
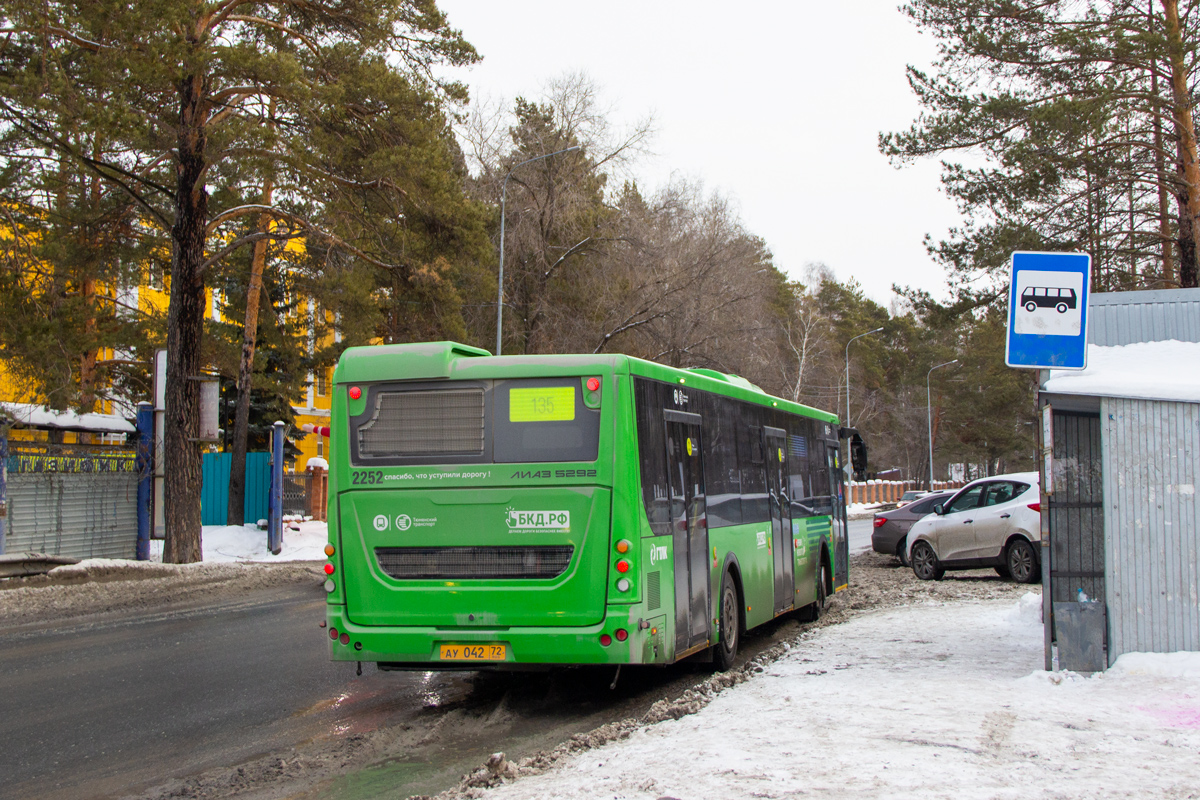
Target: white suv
<point x="992" y="522"/>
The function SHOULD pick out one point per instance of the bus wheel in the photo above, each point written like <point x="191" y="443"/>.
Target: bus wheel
<point x="812" y="611"/>
<point x="727" y="643"/>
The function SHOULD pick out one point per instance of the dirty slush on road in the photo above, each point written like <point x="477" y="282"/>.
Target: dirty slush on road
<point x="473" y="730"/>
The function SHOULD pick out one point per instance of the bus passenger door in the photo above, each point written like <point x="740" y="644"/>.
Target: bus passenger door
<point x="689" y="530"/>
<point x="775" y="441"/>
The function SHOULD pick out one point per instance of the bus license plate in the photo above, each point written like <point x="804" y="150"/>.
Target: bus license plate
<point x="472" y="652"/>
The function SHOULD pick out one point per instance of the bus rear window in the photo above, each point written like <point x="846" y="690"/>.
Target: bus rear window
<point x="504" y="421"/>
<point x="543" y="420"/>
<point x="424" y="423"/>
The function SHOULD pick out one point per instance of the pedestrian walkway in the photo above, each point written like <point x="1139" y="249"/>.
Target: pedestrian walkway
<point x="938" y="701"/>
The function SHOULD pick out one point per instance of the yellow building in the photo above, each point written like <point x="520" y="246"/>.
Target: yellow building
<point x="20" y="402"/>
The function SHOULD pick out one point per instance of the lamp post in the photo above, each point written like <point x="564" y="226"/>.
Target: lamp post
<point x="850" y="485"/>
<point x="503" y="192"/>
<point x="929" y="415"/>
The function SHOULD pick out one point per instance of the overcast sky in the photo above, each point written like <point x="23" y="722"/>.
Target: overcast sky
<point x="776" y="104"/>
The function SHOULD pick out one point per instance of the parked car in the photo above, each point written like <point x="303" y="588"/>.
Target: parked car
<point x="891" y="527"/>
<point x="992" y="522"/>
<point x="911" y="495"/>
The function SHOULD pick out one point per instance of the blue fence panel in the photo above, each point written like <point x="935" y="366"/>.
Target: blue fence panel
<point x="214" y="495"/>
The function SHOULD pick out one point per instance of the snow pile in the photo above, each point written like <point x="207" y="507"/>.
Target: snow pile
<point x="1161" y="665"/>
<point x="1147" y="370"/>
<point x="919" y="702"/>
<point x="1027" y="611"/>
<point x="303" y="540"/>
<point x="864" y="510"/>
<point x="41" y="417"/>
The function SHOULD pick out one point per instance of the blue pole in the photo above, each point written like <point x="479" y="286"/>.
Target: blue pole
<point x="145" y="472"/>
<point x="3" y="486"/>
<point x="275" y="522"/>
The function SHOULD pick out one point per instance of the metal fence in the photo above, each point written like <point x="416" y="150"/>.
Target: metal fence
<point x="305" y="493"/>
<point x="72" y="501"/>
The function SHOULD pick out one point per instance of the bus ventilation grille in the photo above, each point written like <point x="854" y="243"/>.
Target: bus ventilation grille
<point x="424" y="423"/>
<point x="463" y="563"/>
<point x="653" y="591"/>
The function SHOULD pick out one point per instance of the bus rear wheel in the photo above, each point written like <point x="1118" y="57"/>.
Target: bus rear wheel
<point x="726" y="648"/>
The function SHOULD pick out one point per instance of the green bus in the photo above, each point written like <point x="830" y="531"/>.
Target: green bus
<point x="527" y="511"/>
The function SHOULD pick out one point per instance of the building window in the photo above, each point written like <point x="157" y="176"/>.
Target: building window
<point x="320" y="446"/>
<point x="322" y="382"/>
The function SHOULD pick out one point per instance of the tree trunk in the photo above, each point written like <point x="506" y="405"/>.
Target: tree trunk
<point x="241" y="421"/>
<point x="1186" y="128"/>
<point x="185" y="325"/>
<point x="1164" y="208"/>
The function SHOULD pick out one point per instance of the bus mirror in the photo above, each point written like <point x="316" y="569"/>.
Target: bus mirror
<point x="858" y="457"/>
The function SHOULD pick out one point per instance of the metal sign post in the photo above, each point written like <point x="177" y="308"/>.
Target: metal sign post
<point x="145" y="473"/>
<point x="275" y="517"/>
<point x="1048" y="311"/>
<point x="3" y="486"/>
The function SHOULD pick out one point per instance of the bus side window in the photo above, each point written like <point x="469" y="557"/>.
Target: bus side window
<point x="723" y="481"/>
<point x="652" y="455"/>
<point x="755" y="507"/>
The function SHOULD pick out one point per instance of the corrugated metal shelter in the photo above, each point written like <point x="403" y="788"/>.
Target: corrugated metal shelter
<point x="1120" y="318"/>
<point x="1121" y="517"/>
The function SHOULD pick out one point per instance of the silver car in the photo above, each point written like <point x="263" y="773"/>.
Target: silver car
<point x="992" y="522"/>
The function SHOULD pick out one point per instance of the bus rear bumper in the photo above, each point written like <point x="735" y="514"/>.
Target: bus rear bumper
<point x="403" y="647"/>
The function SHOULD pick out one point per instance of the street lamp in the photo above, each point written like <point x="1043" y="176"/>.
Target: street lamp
<point x="503" y="191"/>
<point x="929" y="415"/>
<point x="850" y="486"/>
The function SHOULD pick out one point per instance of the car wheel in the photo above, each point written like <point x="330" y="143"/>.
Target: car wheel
<point x="1031" y="307"/>
<point x="925" y="562"/>
<point x="1022" y="562"/>
<point x="726" y="648"/>
<point x="1061" y="308"/>
<point x="902" y="552"/>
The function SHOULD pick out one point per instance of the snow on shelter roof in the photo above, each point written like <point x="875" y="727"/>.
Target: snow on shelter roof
<point x="35" y="416"/>
<point x="1166" y="370"/>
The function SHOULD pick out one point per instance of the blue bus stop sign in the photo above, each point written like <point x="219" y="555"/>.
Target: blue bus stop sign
<point x="1048" y="310"/>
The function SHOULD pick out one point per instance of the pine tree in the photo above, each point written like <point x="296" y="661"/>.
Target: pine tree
<point x="1083" y="128"/>
<point x="184" y="86"/>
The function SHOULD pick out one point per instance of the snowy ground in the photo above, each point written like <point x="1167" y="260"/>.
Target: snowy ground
<point x="930" y="701"/>
<point x="303" y="540"/>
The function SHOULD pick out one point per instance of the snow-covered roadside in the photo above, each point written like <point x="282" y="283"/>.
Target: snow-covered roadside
<point x="303" y="540"/>
<point x="864" y="510"/>
<point x="921" y="702"/>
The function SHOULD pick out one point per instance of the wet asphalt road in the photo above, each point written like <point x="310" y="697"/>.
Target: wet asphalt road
<point x="111" y="707"/>
<point x="108" y="708"/>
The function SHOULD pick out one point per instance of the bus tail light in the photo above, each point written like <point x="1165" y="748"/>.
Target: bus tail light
<point x="329" y="569"/>
<point x="623" y="546"/>
<point x="329" y="551"/>
<point x="623" y="585"/>
<point x="330" y="585"/>
<point x="344" y="638"/>
<point x="622" y="634"/>
<point x="605" y="639"/>
<point x="333" y="633"/>
<point x="355" y="392"/>
<point x="593" y="384"/>
<point x="622" y="566"/>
